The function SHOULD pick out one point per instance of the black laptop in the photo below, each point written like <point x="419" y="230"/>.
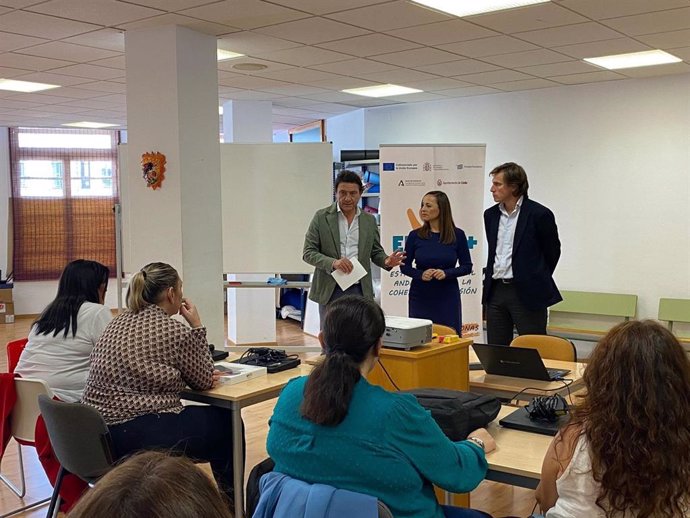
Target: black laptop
<point x="520" y="420"/>
<point x="518" y="362"/>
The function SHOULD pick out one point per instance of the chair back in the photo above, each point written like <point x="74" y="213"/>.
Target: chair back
<point x="25" y="410"/>
<point x="549" y="347"/>
<point x="14" y="351"/>
<point x="442" y="330"/>
<point x="79" y="438"/>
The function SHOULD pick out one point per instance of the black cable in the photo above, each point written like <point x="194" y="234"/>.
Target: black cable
<point x="389" y="376"/>
<point x="567" y="385"/>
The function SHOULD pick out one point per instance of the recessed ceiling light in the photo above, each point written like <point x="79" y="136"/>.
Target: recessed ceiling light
<point x="250" y="66"/>
<point x="24" y="86"/>
<point x="470" y="7"/>
<point x="90" y="125"/>
<point x="382" y="90"/>
<point x="634" y="59"/>
<point x="226" y="54"/>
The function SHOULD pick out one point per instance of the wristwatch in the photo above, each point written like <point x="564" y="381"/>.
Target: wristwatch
<point x="477" y="441"/>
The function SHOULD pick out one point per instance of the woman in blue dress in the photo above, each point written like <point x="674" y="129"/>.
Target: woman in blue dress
<point x="440" y="255"/>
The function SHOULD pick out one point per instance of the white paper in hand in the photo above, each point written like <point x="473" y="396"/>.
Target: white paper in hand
<point x="345" y="280"/>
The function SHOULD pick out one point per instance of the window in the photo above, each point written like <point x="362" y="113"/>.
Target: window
<point x="64" y="186"/>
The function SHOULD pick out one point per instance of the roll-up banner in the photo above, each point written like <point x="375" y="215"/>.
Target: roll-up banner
<point x="408" y="172"/>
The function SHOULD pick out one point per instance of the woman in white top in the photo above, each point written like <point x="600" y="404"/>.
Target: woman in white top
<point x="61" y="340"/>
<point x="626" y="450"/>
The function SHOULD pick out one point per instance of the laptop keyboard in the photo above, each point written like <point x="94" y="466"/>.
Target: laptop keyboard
<point x="556" y="374"/>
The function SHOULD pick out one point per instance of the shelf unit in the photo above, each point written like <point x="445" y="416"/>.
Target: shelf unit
<point x="369" y="171"/>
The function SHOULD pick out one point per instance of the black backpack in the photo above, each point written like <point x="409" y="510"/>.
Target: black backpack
<point x="456" y="412"/>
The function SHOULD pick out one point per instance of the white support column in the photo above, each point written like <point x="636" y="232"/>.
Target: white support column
<point x="172" y="108"/>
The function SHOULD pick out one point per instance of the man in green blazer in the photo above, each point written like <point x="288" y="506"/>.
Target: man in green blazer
<point x="336" y="234"/>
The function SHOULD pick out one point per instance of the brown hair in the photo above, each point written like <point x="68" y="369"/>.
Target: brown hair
<point x="352" y="327"/>
<point x="153" y="485"/>
<point x="346" y="176"/>
<point x="515" y="176"/>
<point x="445" y="215"/>
<point x="148" y="284"/>
<point x="636" y="418"/>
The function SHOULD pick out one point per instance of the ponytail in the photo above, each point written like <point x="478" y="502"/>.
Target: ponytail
<point x="147" y="285"/>
<point x="352" y="327"/>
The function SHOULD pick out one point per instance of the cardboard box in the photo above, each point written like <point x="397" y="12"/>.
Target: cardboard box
<point x="6" y="319"/>
<point x="6" y="312"/>
<point x="6" y="295"/>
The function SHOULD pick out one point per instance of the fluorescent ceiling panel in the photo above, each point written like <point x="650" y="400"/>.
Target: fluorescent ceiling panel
<point x="24" y="86"/>
<point x="634" y="59"/>
<point x="469" y="7"/>
<point x="382" y="90"/>
<point x="90" y="125"/>
<point x="226" y="54"/>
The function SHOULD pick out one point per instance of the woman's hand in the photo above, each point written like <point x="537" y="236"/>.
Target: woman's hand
<point x="427" y="275"/>
<point x="485" y="437"/>
<point x="190" y="313"/>
<point x="216" y="378"/>
<point x="439" y="275"/>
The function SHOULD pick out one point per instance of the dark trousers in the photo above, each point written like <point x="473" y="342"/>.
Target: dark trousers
<point x="355" y="289"/>
<point x="202" y="433"/>
<point x="461" y="512"/>
<point x="504" y="310"/>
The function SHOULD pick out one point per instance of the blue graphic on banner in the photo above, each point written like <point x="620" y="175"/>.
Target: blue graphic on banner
<point x="389" y="166"/>
<point x="471" y="241"/>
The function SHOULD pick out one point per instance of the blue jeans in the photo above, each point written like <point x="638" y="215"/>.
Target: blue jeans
<point x="461" y="512"/>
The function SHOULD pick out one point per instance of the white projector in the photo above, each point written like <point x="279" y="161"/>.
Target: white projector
<point x="406" y="333"/>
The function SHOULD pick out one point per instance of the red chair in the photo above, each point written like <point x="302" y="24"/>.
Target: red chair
<point x="14" y="351"/>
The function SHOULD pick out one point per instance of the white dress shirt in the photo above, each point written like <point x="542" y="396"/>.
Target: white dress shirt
<point x="349" y="234"/>
<point x="503" y="262"/>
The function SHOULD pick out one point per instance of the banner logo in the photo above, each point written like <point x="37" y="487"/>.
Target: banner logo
<point x="426" y="166"/>
<point x="389" y="166"/>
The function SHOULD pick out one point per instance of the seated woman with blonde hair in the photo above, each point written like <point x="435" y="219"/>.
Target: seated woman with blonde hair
<point x="626" y="451"/>
<point x="153" y="485"/>
<point x="141" y="364"/>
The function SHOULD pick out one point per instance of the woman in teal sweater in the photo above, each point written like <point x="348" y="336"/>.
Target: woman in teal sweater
<point x="335" y="428"/>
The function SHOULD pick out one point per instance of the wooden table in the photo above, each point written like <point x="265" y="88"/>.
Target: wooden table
<point x="235" y="397"/>
<point x="430" y="365"/>
<point x="507" y="387"/>
<point x="518" y="456"/>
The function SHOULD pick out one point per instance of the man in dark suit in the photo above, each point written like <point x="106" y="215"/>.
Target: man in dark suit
<point x="523" y="253"/>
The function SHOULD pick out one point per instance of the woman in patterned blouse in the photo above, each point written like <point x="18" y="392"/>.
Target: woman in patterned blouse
<point x="142" y="362"/>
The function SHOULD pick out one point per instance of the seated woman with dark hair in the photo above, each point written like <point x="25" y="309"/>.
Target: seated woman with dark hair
<point x="153" y="485"/>
<point x="335" y="428"/>
<point x="141" y="364"/>
<point x="626" y="451"/>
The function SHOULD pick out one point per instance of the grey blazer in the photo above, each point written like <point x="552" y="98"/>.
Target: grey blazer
<point x="322" y="247"/>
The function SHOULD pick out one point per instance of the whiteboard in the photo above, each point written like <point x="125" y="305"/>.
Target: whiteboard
<point x="270" y="193"/>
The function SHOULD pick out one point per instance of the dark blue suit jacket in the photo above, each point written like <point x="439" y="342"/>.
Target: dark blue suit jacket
<point x="536" y="250"/>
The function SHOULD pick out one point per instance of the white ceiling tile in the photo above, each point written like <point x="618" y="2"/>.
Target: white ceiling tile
<point x="599" y="9"/>
<point x="20" y="4"/>
<point x="294" y="90"/>
<point x="212" y="28"/>
<point x="470" y="91"/>
<point x="245" y="14"/>
<point x="439" y="33"/>
<point x="64" y="109"/>
<point x="435" y="85"/>
<point x="524" y="59"/>
<point x="332" y="97"/>
<point x="667" y="40"/>
<point x="114" y="98"/>
<point x="560" y="69"/>
<point x="658" y="70"/>
<point x="602" y="48"/>
<point x="368" y="102"/>
<point x="54" y="79"/>
<point x="488" y="46"/>
<point x="497" y="76"/>
<point x="389" y="16"/>
<point x="296" y="75"/>
<point x="649" y="23"/>
<point x="590" y="77"/>
<point x="101" y="12"/>
<point x="569" y="34"/>
<point x="326" y="6"/>
<point x="400" y="76"/>
<point x="9" y="41"/>
<point x="251" y="43"/>
<point x="253" y="95"/>
<point x="418" y="97"/>
<point x="330" y="108"/>
<point x="417" y="57"/>
<point x="456" y="68"/>
<point x="105" y="86"/>
<point x="74" y="92"/>
<point x="293" y="102"/>
<point x="250" y="82"/>
<point x="171" y="5"/>
<point x="110" y="39"/>
<point x="91" y="103"/>
<point x="528" y="18"/>
<point x="369" y="45"/>
<point x="525" y="84"/>
<point x="310" y="31"/>
<point x="42" y="98"/>
<point x="12" y="60"/>
<point x="361" y="66"/>
<point x="8" y="72"/>
<point x="682" y="52"/>
<point x="90" y="71"/>
<point x="42" y="26"/>
<point x="343" y="83"/>
<point x="68" y="52"/>
<point x="305" y="56"/>
<point x="116" y="62"/>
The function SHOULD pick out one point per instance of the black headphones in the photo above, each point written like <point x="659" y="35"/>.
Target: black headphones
<point x="547" y="408"/>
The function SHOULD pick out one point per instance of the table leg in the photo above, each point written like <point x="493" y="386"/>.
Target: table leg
<point x="237" y="460"/>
